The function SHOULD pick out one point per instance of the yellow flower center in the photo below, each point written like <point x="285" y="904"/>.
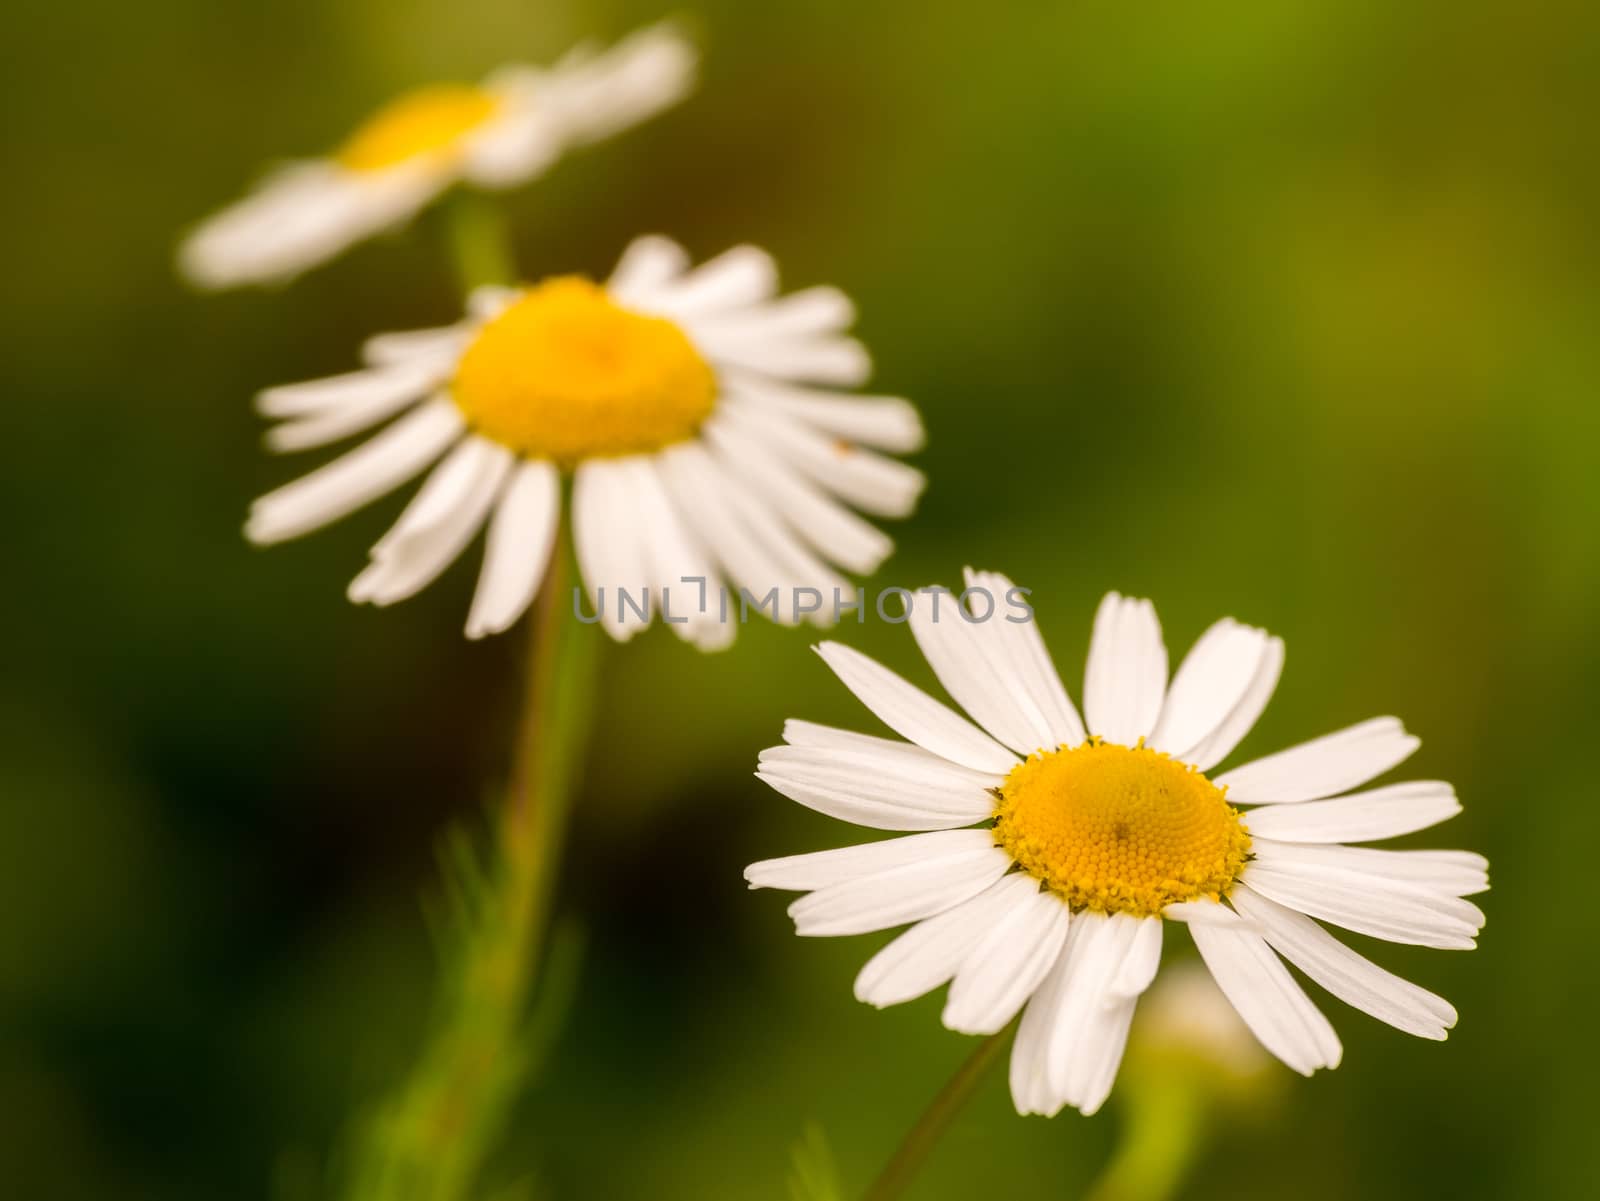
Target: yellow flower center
<point x="1120" y="829"/>
<point x="429" y="120"/>
<point x="564" y="373"/>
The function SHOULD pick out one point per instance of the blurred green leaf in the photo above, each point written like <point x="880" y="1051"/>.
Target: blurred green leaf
<point x="812" y="1173"/>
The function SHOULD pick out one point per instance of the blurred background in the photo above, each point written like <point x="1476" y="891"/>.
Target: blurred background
<point x="1284" y="310"/>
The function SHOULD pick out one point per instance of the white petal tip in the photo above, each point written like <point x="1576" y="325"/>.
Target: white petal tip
<point x="261" y="532"/>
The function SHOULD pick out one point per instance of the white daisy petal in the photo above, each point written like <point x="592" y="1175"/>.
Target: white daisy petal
<point x="744" y="275"/>
<point x="773" y="515"/>
<point x="906" y="789"/>
<point x="870" y="482"/>
<point x="1276" y="1009"/>
<point x="820" y="869"/>
<point x="901" y="894"/>
<point x="1091" y="1023"/>
<point x="1127" y="671"/>
<point x="397" y="382"/>
<point x="1322" y="767"/>
<point x="302" y="217"/>
<point x="827" y="525"/>
<point x="1138" y="970"/>
<point x="932" y="951"/>
<point x="1453" y="873"/>
<point x="488" y="301"/>
<point x="1090" y="1078"/>
<point x="1096" y="1070"/>
<point x="777" y="533"/>
<point x="810" y="312"/>
<point x="1029" y="1072"/>
<point x="1391" y="910"/>
<point x="913" y="714"/>
<point x="976" y="671"/>
<point x="1359" y="817"/>
<point x="653" y="539"/>
<point x="693" y="481"/>
<point x="764" y="559"/>
<point x="521" y="534"/>
<point x="1352" y="978"/>
<point x="334" y="423"/>
<point x="446" y="489"/>
<point x="681" y="572"/>
<point x="800" y="733"/>
<point x="1023" y="646"/>
<point x="441" y="344"/>
<point x="1021" y="943"/>
<point x="362" y="475"/>
<point x="1212" y="683"/>
<point x="602" y="94"/>
<point x="520" y="144"/>
<point x="649" y="263"/>
<point x="436" y="526"/>
<point x="1202" y="912"/>
<point x="242" y="244"/>
<point x="1241" y="719"/>
<point x="888" y="423"/>
<point x="611" y="555"/>
<point x="843" y="362"/>
<point x="885" y="757"/>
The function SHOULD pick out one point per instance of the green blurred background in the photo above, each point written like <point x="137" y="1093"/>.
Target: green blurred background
<point x="1284" y="310"/>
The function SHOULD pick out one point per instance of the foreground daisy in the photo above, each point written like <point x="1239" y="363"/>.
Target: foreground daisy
<point x="695" y="411"/>
<point x="1093" y="832"/>
<point x="496" y="134"/>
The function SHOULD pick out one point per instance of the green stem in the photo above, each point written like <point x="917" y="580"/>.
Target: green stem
<point x="1164" y="1121"/>
<point x="429" y="1140"/>
<point x="479" y="240"/>
<point x="936" y="1119"/>
<point x="556" y="714"/>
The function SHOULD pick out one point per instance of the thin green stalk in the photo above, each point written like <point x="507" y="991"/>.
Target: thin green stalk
<point x="556" y="715"/>
<point x="479" y="240"/>
<point x="936" y="1119"/>
<point x="1163" y="1128"/>
<point x="429" y="1141"/>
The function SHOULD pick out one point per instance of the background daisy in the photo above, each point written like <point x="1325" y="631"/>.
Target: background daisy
<point x="1105" y="826"/>
<point x="497" y="134"/>
<point x="698" y="414"/>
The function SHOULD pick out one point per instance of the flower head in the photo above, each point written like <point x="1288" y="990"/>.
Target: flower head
<point x="696" y="412"/>
<point x="1053" y="848"/>
<point x="495" y="134"/>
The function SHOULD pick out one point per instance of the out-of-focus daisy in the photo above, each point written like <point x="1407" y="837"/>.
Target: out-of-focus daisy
<point x="696" y="411"/>
<point x="1192" y="1066"/>
<point x="1093" y="832"/>
<point x="1185" y="1020"/>
<point x="496" y="134"/>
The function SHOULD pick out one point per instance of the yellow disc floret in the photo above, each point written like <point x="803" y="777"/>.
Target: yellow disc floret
<point x="565" y="373"/>
<point x="428" y="121"/>
<point x="1120" y="829"/>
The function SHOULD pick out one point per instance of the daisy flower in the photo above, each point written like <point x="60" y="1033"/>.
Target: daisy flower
<point x="1052" y="848"/>
<point x="696" y="411"/>
<point x="497" y="134"/>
